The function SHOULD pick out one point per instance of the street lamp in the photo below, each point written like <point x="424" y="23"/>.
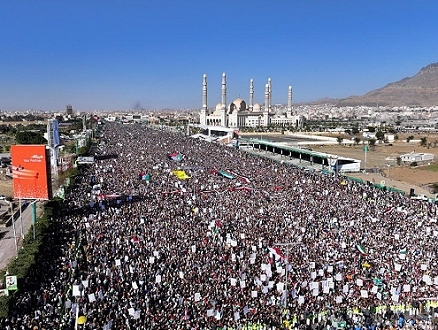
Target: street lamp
<point x="389" y="179"/>
<point x="288" y="247"/>
<point x="11" y="205"/>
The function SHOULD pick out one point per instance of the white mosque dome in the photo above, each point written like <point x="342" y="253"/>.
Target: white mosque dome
<point x="218" y="109"/>
<point x="237" y="105"/>
<point x="256" y="107"/>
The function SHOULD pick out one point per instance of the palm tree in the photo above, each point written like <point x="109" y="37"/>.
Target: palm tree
<point x="423" y="141"/>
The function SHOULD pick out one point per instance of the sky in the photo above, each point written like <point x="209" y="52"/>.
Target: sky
<point x="121" y="55"/>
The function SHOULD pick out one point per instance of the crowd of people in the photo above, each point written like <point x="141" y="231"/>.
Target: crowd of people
<point x="237" y="242"/>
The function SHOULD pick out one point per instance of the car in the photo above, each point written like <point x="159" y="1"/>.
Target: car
<point x="2" y="197"/>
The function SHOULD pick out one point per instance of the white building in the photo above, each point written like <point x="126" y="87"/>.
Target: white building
<point x="417" y="157"/>
<point x="240" y="114"/>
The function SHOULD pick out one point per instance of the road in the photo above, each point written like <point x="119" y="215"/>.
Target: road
<point x="8" y="248"/>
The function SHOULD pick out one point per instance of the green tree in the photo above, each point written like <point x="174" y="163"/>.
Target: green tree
<point x="409" y="138"/>
<point x="371" y="129"/>
<point x="355" y="130"/>
<point x="372" y="142"/>
<point x="339" y="139"/>
<point x="423" y="141"/>
<point x="399" y="161"/>
<point x="380" y="135"/>
<point x="357" y="140"/>
<point x="396" y="137"/>
<point x="28" y="137"/>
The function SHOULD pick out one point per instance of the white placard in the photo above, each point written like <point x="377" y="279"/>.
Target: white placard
<point x="158" y="279"/>
<point x="254" y="294"/>
<point x="233" y="281"/>
<point x="197" y="296"/>
<point x="339" y="299"/>
<point x="359" y="282"/>
<point x="91" y="298"/>
<point x="423" y="266"/>
<point x="364" y="293"/>
<point x="242" y="284"/>
<point x="134" y="285"/>
<point x="151" y="260"/>
<point x="280" y="286"/>
<point x="118" y="262"/>
<point x="406" y="288"/>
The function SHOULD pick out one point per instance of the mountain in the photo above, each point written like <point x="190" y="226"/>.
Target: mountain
<point x="419" y="90"/>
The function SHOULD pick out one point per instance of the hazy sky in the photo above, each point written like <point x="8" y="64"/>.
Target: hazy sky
<point x="121" y="54"/>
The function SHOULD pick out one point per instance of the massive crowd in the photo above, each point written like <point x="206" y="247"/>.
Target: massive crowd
<point x="137" y="247"/>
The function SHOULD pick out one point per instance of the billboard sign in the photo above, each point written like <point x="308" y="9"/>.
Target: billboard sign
<point x="31" y="172"/>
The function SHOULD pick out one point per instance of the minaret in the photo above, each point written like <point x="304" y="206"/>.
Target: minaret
<point x="204" y="92"/>
<point x="266" y="110"/>
<point x="224" y="100"/>
<point x="270" y="94"/>
<point x="289" y="102"/>
<point x="203" y="119"/>
<point x="251" y="95"/>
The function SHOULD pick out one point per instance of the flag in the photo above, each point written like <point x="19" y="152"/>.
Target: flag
<point x="361" y="249"/>
<point x="277" y="253"/>
<point x="226" y="174"/>
<point x="180" y="174"/>
<point x="176" y="156"/>
<point x="240" y="177"/>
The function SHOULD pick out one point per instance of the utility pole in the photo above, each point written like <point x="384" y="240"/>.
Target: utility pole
<point x="288" y="247"/>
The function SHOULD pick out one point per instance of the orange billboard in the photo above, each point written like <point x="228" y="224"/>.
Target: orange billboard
<point x="31" y="172"/>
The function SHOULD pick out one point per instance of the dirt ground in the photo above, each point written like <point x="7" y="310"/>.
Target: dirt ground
<point x="384" y="157"/>
<point x="5" y="185"/>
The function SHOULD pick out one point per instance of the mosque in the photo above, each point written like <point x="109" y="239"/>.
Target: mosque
<point x="240" y="114"/>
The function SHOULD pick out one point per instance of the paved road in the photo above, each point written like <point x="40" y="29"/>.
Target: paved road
<point x="8" y="248"/>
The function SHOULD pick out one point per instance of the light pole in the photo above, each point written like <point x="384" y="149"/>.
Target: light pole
<point x="33" y="205"/>
<point x="13" y="225"/>
<point x="389" y="179"/>
<point x="288" y="246"/>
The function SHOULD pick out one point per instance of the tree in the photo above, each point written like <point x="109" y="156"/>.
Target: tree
<point x="355" y="130"/>
<point x="371" y="129"/>
<point x="380" y="135"/>
<point x="399" y="161"/>
<point x="372" y="142"/>
<point x="339" y="139"/>
<point x="357" y="140"/>
<point x="396" y="137"/>
<point x="409" y="138"/>
<point x="28" y="137"/>
<point x="423" y="141"/>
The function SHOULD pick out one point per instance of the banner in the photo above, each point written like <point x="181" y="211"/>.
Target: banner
<point x="31" y="177"/>
<point x="11" y="283"/>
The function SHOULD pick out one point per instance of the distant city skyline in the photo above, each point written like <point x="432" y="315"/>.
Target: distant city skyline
<point x="121" y="55"/>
